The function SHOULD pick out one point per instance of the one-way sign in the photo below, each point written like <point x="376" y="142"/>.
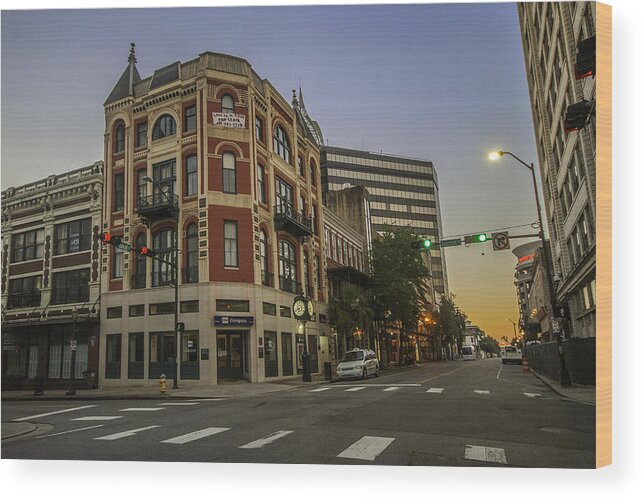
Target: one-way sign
<point x="500" y="240"/>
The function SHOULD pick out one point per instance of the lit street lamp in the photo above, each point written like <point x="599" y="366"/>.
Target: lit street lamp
<point x="514" y="324"/>
<point x="564" y="374"/>
<point x="175" y="267"/>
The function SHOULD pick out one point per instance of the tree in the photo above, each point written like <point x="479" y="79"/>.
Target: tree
<point x="451" y="321"/>
<point x="348" y="310"/>
<point x="489" y="345"/>
<point x="399" y="279"/>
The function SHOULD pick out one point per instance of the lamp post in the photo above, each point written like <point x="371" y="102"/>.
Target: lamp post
<point x="71" y="390"/>
<point x="564" y="374"/>
<point x="514" y="324"/>
<point x="175" y="266"/>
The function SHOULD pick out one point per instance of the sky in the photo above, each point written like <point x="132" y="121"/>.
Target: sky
<point x="442" y="82"/>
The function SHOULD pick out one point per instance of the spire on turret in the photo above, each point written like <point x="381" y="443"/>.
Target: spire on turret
<point x="301" y="98"/>
<point x="132" y="67"/>
<point x="125" y="85"/>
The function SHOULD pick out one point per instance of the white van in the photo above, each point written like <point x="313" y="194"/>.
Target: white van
<point x="358" y="363"/>
<point x="468" y="353"/>
<point x="511" y="354"/>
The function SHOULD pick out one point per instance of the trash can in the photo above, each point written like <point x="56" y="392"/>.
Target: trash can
<point x="328" y="371"/>
<point x="39" y="386"/>
<point x="89" y="380"/>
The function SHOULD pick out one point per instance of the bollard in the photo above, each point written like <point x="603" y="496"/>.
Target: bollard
<point x="525" y="364"/>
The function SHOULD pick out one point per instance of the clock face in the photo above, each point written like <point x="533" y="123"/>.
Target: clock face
<point x="299" y="308"/>
<point x="311" y="309"/>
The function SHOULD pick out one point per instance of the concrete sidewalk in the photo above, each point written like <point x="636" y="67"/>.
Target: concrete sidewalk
<point x="581" y="393"/>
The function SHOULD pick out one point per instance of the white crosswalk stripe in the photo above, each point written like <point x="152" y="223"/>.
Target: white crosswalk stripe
<point x="260" y="443"/>
<point x="30" y="417"/>
<point x="120" y="435"/>
<point x="532" y="394"/>
<point x="321" y="389"/>
<point x="485" y="454"/>
<point x="481" y="392"/>
<point x="178" y="404"/>
<point x="193" y="436"/>
<point x="353" y="389"/>
<point x="98" y="417"/>
<point x="436" y="390"/>
<point x="390" y="389"/>
<point x="367" y="448"/>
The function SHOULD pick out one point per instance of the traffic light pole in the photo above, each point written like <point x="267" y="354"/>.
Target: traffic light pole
<point x="176" y="300"/>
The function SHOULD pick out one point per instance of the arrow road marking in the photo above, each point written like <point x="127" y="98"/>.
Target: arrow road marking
<point x="119" y="435"/>
<point x="436" y="390"/>
<point x="367" y="448"/>
<point x="532" y="394"/>
<point x="321" y="389"/>
<point x="353" y="389"/>
<point x="22" y="419"/>
<point x="193" y="436"/>
<point x="481" y="392"/>
<point x="97" y="417"/>
<point x="485" y="454"/>
<point x="259" y="443"/>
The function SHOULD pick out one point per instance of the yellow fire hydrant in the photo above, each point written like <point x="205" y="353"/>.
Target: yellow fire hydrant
<point x="163" y="383"/>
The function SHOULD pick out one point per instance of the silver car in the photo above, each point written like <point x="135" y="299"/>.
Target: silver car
<point x="358" y="363"/>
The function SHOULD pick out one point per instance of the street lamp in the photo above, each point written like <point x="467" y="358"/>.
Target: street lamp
<point x="514" y="324"/>
<point x="564" y="374"/>
<point x="71" y="390"/>
<point x="175" y="267"/>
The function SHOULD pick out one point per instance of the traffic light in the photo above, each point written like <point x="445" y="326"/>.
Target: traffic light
<point x="586" y="58"/>
<point x="108" y="237"/>
<point x="578" y="115"/>
<point x="422" y="244"/>
<point x="475" y="238"/>
<point x="147" y="252"/>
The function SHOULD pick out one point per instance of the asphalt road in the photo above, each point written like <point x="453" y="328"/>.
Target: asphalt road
<point x="453" y="413"/>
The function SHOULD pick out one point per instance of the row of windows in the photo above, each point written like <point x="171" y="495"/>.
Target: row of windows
<point x="391" y="165"/>
<point x="343" y="251"/>
<point x="69" y="237"/>
<point x="379" y="178"/>
<point x="399" y="207"/>
<point x="581" y="238"/>
<point x="412" y="192"/>
<point x="68" y="287"/>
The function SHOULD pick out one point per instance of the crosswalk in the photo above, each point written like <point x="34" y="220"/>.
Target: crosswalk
<point x="358" y="449"/>
<point x="395" y="388"/>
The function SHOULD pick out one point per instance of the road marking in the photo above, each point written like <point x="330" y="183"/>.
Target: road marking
<point x="193" y="436"/>
<point x="177" y="404"/>
<point x="378" y="385"/>
<point x="436" y="390"/>
<point x="353" y="389"/>
<point x="142" y="409"/>
<point x="367" y="448"/>
<point x="389" y="389"/>
<point x="119" y="435"/>
<point x="259" y="443"/>
<point x="440" y="375"/>
<point x="481" y="392"/>
<point x="321" y="389"/>
<point x="22" y="419"/>
<point x="532" y="394"/>
<point x="97" y="417"/>
<point x="73" y="430"/>
<point x="485" y="454"/>
<point x="208" y="399"/>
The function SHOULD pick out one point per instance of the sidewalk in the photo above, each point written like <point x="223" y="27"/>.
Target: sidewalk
<point x="581" y="393"/>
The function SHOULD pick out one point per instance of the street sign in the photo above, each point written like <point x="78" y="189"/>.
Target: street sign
<point x="124" y="246"/>
<point x="451" y="243"/>
<point x="555" y="326"/>
<point x="500" y="240"/>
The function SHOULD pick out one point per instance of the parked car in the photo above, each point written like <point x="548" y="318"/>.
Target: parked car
<point x="510" y="354"/>
<point x="468" y="353"/>
<point x="358" y="363"/>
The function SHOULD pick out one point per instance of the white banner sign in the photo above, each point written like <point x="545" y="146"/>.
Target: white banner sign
<point x="231" y="120"/>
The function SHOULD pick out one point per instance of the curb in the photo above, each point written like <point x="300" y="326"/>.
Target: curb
<point x="28" y="426"/>
<point x="554" y="387"/>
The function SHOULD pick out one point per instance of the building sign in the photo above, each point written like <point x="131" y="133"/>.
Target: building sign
<point x="526" y="258"/>
<point x="231" y="120"/>
<point x="234" y="320"/>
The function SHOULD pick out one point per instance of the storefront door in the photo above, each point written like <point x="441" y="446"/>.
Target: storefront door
<point x="230" y="351"/>
<point x="286" y="353"/>
<point x="271" y="361"/>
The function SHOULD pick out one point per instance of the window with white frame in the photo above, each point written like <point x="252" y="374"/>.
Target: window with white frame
<point x="229" y="173"/>
<point x="230" y="244"/>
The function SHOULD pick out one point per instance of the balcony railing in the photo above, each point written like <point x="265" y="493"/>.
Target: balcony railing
<point x="159" y="204"/>
<point x="288" y="219"/>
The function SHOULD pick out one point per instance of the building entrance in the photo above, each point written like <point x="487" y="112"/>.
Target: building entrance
<point x="230" y="354"/>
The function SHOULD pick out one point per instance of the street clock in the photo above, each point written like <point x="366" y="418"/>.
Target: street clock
<point x="299" y="308"/>
<point x="310" y="309"/>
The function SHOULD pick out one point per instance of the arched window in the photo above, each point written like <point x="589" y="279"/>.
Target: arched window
<point x="192" y="254"/>
<point x="229" y="173"/>
<point x="163" y="242"/>
<point x="140" y="271"/>
<point x="119" y="138"/>
<point x="287" y="267"/>
<point x="227" y="104"/>
<point x="280" y="143"/>
<point x="263" y="258"/>
<point x="165" y="126"/>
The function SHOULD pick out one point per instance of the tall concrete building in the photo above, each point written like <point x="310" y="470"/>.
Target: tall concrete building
<point x="403" y="191"/>
<point x="209" y="158"/>
<point x="553" y="35"/>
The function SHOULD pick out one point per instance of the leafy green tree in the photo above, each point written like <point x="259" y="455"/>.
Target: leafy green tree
<point x="451" y="321"/>
<point x="399" y="279"/>
<point x="489" y="345"/>
<point x="348" y="310"/>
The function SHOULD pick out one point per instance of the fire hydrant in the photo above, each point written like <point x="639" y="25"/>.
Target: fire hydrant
<point x="163" y="383"/>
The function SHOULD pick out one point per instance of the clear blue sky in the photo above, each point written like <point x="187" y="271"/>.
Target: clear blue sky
<point x="444" y="82"/>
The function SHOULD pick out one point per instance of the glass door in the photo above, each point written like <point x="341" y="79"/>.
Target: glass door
<point x="271" y="361"/>
<point x="230" y="355"/>
<point x="286" y="353"/>
<point x="312" y="350"/>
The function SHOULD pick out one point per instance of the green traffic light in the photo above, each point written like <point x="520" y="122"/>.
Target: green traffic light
<point x="426" y="243"/>
<point x="482" y="237"/>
